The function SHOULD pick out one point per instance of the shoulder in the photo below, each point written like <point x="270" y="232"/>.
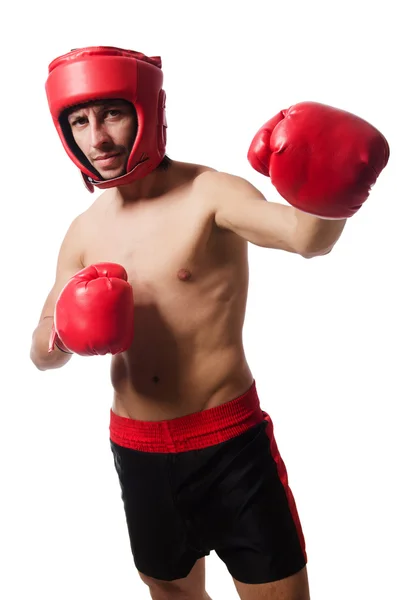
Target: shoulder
<point x="187" y="173"/>
<point x="219" y="186"/>
<point x="82" y="220"/>
<point x="99" y="205"/>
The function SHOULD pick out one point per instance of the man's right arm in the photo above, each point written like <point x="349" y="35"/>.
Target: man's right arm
<point x="68" y="264"/>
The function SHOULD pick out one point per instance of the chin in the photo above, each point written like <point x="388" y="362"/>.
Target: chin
<point x="112" y="174"/>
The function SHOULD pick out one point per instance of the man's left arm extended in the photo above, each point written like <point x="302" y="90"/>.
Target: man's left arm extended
<point x="322" y="160"/>
<point x="242" y="208"/>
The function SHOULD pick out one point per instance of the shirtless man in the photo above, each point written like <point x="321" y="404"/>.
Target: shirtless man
<point x="161" y="258"/>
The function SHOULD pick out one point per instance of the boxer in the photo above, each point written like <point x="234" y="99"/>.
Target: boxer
<point x="155" y="273"/>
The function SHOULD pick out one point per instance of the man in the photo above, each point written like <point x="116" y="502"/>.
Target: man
<point x="155" y="272"/>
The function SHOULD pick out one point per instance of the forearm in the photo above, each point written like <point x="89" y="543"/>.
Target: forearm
<point x="39" y="354"/>
<point x="316" y="236"/>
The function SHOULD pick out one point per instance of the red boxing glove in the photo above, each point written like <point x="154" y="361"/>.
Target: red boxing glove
<point x="94" y="312"/>
<point x="321" y="159"/>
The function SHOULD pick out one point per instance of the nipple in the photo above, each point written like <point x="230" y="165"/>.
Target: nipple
<point x="184" y="275"/>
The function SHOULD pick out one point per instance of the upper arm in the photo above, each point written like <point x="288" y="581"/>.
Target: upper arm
<point x="240" y="207"/>
<point x="69" y="262"/>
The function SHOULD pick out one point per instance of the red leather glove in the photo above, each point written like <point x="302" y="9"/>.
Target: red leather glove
<point x="94" y="312"/>
<point x="321" y="159"/>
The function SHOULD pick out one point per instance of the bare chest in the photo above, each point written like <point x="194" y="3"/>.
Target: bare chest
<point x="164" y="254"/>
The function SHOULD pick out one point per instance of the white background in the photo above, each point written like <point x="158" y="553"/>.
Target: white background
<point x="320" y="334"/>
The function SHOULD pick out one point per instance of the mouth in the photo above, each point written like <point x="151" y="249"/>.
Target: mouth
<point x="107" y="159"/>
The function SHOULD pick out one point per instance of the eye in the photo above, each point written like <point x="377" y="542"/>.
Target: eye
<point x="78" y="121"/>
<point x="112" y="112"/>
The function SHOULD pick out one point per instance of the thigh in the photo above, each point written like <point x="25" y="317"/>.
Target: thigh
<point x="192" y="586"/>
<point x="295" y="587"/>
<point x="159" y="541"/>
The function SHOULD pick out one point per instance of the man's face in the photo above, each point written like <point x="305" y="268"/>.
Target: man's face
<point x="105" y="132"/>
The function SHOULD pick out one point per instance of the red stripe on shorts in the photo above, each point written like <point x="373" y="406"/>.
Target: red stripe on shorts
<point x="283" y="476"/>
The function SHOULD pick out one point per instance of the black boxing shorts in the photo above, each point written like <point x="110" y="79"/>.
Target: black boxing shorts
<point x="213" y="480"/>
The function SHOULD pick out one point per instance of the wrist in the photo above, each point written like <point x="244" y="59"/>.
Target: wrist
<point x="58" y="344"/>
<point x="317" y="235"/>
<point x="40" y="355"/>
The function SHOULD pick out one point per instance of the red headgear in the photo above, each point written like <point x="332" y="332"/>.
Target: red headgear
<point x="102" y="72"/>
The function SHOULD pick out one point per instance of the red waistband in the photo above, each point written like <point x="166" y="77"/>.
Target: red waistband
<point x="191" y="432"/>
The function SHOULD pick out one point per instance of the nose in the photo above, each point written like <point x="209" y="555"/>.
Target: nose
<point x="99" y="135"/>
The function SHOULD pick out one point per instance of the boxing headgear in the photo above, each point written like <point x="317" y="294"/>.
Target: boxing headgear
<point x="103" y="72"/>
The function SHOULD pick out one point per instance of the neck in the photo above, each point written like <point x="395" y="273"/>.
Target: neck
<point x="153" y="185"/>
